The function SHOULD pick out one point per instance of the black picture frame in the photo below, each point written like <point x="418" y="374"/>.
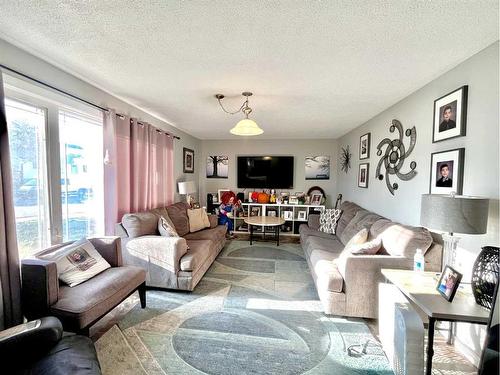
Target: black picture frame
<point x="187" y="160"/>
<point x="448" y="293"/>
<point x="366" y="168"/>
<point x="366" y="154"/>
<point x="457" y="156"/>
<point x="458" y="99"/>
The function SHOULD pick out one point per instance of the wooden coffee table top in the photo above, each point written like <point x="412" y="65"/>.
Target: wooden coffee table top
<point x="265" y="221"/>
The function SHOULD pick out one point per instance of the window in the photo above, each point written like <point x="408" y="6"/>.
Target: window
<point x="56" y="160"/>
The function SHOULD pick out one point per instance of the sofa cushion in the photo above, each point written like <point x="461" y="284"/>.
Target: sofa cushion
<point x="178" y="214"/>
<point x="328" y="277"/>
<point x="198" y="219"/>
<point x="166" y="228"/>
<point x="140" y="224"/>
<point x="305" y="231"/>
<point x="349" y="209"/>
<point x="404" y="240"/>
<point x="208" y="234"/>
<point x="199" y="251"/>
<point x="353" y="226"/>
<point x="77" y="262"/>
<point x="368" y="248"/>
<point x="90" y="300"/>
<point x="332" y="245"/>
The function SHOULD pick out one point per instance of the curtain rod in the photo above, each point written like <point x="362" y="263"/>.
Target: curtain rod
<point x="66" y="93"/>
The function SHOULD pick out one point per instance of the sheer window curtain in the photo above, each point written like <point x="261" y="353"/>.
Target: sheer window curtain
<point x="10" y="279"/>
<point x="138" y="173"/>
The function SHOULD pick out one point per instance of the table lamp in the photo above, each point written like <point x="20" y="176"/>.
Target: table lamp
<point x="454" y="214"/>
<point x="187" y="188"/>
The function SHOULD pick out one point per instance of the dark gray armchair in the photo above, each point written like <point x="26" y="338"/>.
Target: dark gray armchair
<point x="40" y="347"/>
<point x="81" y="306"/>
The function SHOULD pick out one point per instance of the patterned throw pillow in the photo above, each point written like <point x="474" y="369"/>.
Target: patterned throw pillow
<point x="328" y="220"/>
<point x="77" y="262"/>
<point x="166" y="228"/>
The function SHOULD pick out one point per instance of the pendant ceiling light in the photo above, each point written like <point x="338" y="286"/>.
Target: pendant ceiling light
<point x="245" y="127"/>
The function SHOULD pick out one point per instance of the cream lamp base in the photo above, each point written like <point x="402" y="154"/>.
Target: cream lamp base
<point x="450" y="243"/>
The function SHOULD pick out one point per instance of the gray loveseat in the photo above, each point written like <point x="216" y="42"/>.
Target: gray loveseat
<point x="348" y="285"/>
<point x="170" y="262"/>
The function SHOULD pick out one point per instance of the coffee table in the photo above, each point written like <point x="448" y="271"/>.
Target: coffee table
<point x="265" y="221"/>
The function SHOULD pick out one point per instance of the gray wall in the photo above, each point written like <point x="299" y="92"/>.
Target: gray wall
<point x="26" y="63"/>
<point x="481" y="174"/>
<point x="250" y="146"/>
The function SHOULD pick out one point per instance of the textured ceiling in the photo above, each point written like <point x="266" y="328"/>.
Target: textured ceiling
<point x="317" y="69"/>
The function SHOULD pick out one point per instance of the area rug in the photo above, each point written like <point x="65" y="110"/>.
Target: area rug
<point x="256" y="311"/>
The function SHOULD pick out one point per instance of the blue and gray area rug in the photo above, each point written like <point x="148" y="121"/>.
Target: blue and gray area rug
<point x="256" y="311"/>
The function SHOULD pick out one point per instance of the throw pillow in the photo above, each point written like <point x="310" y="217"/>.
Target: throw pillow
<point x="198" y="219"/>
<point x="77" y="263"/>
<point x="368" y="248"/>
<point x="356" y="240"/>
<point x="166" y="228"/>
<point x="328" y="220"/>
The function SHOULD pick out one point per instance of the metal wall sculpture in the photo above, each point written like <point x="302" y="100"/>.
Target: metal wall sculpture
<point x="395" y="155"/>
<point x="345" y="159"/>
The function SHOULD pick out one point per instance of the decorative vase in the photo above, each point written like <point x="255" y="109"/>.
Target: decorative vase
<point x="485" y="275"/>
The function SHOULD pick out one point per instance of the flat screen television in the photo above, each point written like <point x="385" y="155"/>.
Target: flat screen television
<point x="271" y="172"/>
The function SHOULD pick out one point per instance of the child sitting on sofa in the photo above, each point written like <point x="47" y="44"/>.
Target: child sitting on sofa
<point x="227" y="205"/>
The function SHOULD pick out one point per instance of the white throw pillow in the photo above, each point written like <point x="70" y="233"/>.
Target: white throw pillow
<point x="328" y="220"/>
<point x="198" y="219"/>
<point x="368" y="248"/>
<point x="166" y="228"/>
<point x="78" y="262"/>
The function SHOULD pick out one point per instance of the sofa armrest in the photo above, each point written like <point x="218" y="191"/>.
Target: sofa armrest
<point x="162" y="251"/>
<point x="214" y="221"/>
<point x="362" y="274"/>
<point x="313" y="221"/>
<point x="110" y="249"/>
<point x="29" y="340"/>
<point x="40" y="287"/>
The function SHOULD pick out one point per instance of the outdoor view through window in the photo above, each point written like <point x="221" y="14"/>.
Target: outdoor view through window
<point x="49" y="145"/>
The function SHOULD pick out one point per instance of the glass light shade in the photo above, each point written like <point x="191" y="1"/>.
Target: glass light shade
<point x="246" y="127"/>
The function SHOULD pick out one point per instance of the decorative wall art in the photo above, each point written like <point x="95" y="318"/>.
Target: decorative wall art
<point x="395" y="155"/>
<point x="450" y="115"/>
<point x="363" y="175"/>
<point x="317" y="167"/>
<point x="188" y="160"/>
<point x="364" y="146"/>
<point x="345" y="159"/>
<point x="217" y="166"/>
<point x="447" y="171"/>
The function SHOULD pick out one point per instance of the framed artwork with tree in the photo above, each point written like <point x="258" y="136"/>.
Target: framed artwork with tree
<point x="217" y="166"/>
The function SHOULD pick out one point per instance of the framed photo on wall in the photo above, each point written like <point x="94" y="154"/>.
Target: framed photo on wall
<point x="363" y="175"/>
<point x="447" y="171"/>
<point x="188" y="160"/>
<point x="450" y="115"/>
<point x="364" y="146"/>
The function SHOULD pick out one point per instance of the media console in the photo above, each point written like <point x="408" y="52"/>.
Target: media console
<point x="293" y="214"/>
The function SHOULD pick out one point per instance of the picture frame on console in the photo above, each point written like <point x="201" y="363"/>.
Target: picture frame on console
<point x="363" y="175"/>
<point x="450" y="115"/>
<point x="220" y="192"/>
<point x="448" y="283"/>
<point x="447" y="171"/>
<point x="364" y="146"/>
<point x="316" y="199"/>
<point x="188" y="160"/>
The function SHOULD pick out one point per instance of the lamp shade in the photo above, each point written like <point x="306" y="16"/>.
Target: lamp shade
<point x="246" y="127"/>
<point x="454" y="214"/>
<point x="186" y="187"/>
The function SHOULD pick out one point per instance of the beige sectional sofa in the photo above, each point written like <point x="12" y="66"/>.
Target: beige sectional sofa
<point x="170" y="262"/>
<point x="347" y="284"/>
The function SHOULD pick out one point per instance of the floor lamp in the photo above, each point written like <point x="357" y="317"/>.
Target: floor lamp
<point x="454" y="214"/>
